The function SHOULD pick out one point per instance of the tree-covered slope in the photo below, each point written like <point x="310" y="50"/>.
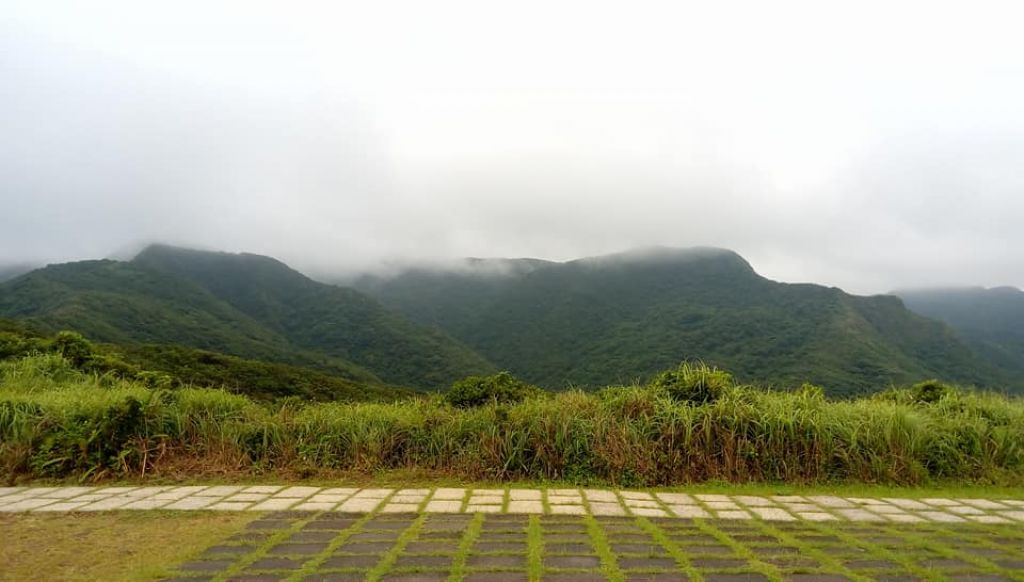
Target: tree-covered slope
<point x="990" y="320"/>
<point x="175" y="366"/>
<point x="326" y="319"/>
<point x="621" y="317"/>
<point x="243" y="305"/>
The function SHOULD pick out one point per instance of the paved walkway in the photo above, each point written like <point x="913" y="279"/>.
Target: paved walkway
<point x="513" y="501"/>
<point x="301" y="534"/>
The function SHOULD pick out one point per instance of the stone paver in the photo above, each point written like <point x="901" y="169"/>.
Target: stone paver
<point x="571" y="548"/>
<point x="520" y="501"/>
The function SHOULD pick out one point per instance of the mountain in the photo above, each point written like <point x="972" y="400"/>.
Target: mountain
<point x="990" y="320"/>
<point x="243" y="305"/>
<point x="8" y="272"/>
<point x="620" y="317"/>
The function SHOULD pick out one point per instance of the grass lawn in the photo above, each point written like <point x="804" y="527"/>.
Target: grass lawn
<point x="107" y="546"/>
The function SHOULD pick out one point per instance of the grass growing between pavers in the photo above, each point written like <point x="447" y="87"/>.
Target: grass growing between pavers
<point x="107" y="546"/>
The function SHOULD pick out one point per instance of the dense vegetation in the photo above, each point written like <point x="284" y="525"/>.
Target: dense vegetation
<point x="991" y="321"/>
<point x="620" y="318"/>
<point x="244" y="305"/>
<point x="170" y="366"/>
<point x="57" y="421"/>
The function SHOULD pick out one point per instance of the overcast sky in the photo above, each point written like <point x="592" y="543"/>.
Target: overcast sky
<point x="868" y="145"/>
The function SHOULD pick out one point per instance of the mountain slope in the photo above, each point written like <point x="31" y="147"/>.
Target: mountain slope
<point x="122" y="303"/>
<point x="323" y="318"/>
<point x="243" y="305"/>
<point x="990" y="320"/>
<point x="622" y="317"/>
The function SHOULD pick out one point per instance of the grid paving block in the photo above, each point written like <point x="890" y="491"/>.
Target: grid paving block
<point x="601" y="496"/>
<point x="754" y="501"/>
<point x="565" y="499"/>
<point x="721" y="505"/>
<point x="733" y="515"/>
<point x="407" y="561"/>
<point x="416" y="499"/>
<point x="830" y="501"/>
<point x="606" y="509"/>
<point x="904" y="518"/>
<point x="452" y="494"/>
<point x="61" y="506"/>
<point x="817" y="516"/>
<point x="646" y="563"/>
<point x="353" y="561"/>
<point x="568" y="509"/>
<point x="378" y="493"/>
<point x="772" y="514"/>
<point x="676" y="498"/>
<point x="265" y="489"/>
<point x="790" y="498"/>
<point x="572" y="562"/>
<point x="146" y="504"/>
<point x="689" y="511"/>
<point x="485" y="500"/>
<point x="66" y="492"/>
<point x="443" y="506"/>
<point x="483" y="508"/>
<point x="983" y="503"/>
<point x="489" y="492"/>
<point x="713" y="497"/>
<point x="941" y="516"/>
<point x="357" y="505"/>
<point x="27" y="504"/>
<point x="964" y="510"/>
<point x="907" y="503"/>
<point x="649" y="511"/>
<point x="800" y="507"/>
<point x="416" y="577"/>
<point x="496" y="577"/>
<point x="525" y="507"/>
<point x="636" y="495"/>
<point x="940" y="502"/>
<point x="275" y="504"/>
<point x="859" y="515"/>
<point x="524" y="494"/>
<point x="296" y="492"/>
<point x="641" y="503"/>
<point x="218" y="491"/>
<point x="1017" y="515"/>
<point x="276" y="563"/>
<point x="327" y="498"/>
<point x="496" y="561"/>
<point x="297" y="549"/>
<point x="400" y="508"/>
<point x="989" y="519"/>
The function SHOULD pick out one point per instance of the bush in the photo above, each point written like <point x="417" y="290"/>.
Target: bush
<point x="931" y="391"/>
<point x="75" y="348"/>
<point x="479" y="390"/>
<point x="695" y="383"/>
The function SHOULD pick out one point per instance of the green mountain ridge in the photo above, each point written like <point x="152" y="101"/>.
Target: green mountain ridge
<point x="623" y="317"/>
<point x="991" y="321"/>
<point x="242" y="305"/>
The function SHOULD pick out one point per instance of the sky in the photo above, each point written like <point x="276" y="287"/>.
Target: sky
<point x="865" y="145"/>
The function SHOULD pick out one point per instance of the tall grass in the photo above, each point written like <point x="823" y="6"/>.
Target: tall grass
<point x="58" y="422"/>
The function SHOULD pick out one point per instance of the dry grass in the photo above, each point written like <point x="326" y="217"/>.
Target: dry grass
<point x="107" y="546"/>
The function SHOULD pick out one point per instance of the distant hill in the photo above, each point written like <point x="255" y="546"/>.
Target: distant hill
<point x="244" y="305"/>
<point x="184" y="366"/>
<point x="990" y="320"/>
<point x="621" y="317"/>
<point x="8" y="272"/>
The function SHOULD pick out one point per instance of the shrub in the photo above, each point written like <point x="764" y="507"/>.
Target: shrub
<point x="931" y="391"/>
<point x="75" y="348"/>
<point x="479" y="390"/>
<point x="695" y="383"/>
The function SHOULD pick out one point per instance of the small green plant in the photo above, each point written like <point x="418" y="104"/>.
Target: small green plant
<point x="694" y="383"/>
<point x="479" y="390"/>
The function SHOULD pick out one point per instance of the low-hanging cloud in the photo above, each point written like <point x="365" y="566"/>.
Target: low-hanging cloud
<point x="871" y="148"/>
